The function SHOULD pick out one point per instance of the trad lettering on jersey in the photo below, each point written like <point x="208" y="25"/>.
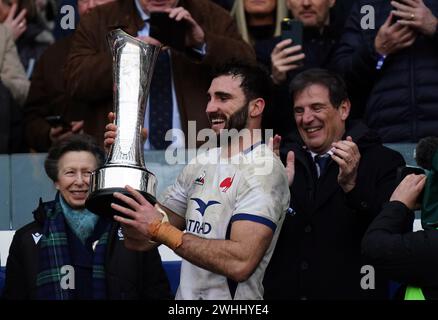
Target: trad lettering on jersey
<point x="196" y="226"/>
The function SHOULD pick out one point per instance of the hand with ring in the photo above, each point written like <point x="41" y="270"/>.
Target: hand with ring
<point x="416" y="15"/>
<point x="393" y="37"/>
<point x="346" y="154"/>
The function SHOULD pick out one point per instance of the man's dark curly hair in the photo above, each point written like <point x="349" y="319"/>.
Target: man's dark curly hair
<point x="256" y="82"/>
<point x="332" y="81"/>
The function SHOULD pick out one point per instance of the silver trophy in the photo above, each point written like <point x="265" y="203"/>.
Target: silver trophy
<point x="133" y="65"/>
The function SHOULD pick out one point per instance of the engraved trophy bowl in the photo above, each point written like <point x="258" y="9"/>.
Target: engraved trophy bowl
<point x="133" y="66"/>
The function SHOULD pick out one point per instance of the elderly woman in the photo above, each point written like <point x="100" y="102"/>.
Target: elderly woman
<point x="68" y="253"/>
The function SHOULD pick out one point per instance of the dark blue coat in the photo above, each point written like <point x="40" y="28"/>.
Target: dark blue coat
<point x="401" y="99"/>
<point x="318" y="253"/>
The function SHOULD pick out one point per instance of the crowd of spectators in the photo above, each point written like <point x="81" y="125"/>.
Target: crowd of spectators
<point x="353" y="80"/>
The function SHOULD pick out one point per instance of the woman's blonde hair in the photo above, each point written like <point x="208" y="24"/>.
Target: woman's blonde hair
<point x="238" y="13"/>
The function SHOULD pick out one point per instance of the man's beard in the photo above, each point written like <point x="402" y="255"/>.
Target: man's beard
<point x="237" y="121"/>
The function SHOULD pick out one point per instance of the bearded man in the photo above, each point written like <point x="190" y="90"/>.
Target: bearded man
<point x="231" y="201"/>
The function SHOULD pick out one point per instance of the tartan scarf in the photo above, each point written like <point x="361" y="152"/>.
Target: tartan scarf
<point x="54" y="256"/>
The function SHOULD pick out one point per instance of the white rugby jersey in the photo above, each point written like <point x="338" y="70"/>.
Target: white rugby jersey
<point x="209" y="196"/>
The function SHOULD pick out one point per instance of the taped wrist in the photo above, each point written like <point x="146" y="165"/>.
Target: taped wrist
<point x="166" y="234"/>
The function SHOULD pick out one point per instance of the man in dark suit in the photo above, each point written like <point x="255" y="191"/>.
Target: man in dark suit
<point x="211" y="38"/>
<point x="343" y="175"/>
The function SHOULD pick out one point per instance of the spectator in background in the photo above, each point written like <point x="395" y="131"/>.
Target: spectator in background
<point x="390" y="245"/>
<point x="211" y="38"/>
<point x="343" y="175"/>
<point x="16" y="23"/>
<point x="259" y="20"/>
<point x="65" y="233"/>
<point x="36" y="37"/>
<point x="396" y="65"/>
<point x="286" y="59"/>
<point x="11" y="70"/>
<point x="46" y="10"/>
<point x="14" y="87"/>
<point x="48" y="96"/>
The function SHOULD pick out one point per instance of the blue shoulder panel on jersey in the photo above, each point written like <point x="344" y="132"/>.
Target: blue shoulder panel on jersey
<point x="251" y="217"/>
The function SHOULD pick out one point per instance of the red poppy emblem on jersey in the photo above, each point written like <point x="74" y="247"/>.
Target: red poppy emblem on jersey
<point x="226" y="184"/>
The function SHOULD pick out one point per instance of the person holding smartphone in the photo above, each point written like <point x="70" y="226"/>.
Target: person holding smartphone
<point x="392" y="247"/>
<point x="288" y="54"/>
<point x="307" y="41"/>
<point x="50" y="114"/>
<point x="396" y="63"/>
<point x="182" y="72"/>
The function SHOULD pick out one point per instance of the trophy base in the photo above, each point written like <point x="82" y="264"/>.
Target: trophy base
<point x="107" y="180"/>
<point x="99" y="202"/>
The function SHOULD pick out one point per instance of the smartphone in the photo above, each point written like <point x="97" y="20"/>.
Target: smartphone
<point x="168" y="31"/>
<point x="58" y="121"/>
<point x="292" y="29"/>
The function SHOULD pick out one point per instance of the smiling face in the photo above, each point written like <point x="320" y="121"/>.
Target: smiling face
<point x="318" y="121"/>
<point x="74" y="171"/>
<point x="312" y="13"/>
<point x="227" y="107"/>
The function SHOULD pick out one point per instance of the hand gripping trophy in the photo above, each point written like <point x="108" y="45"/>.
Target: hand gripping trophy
<point x="133" y="66"/>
